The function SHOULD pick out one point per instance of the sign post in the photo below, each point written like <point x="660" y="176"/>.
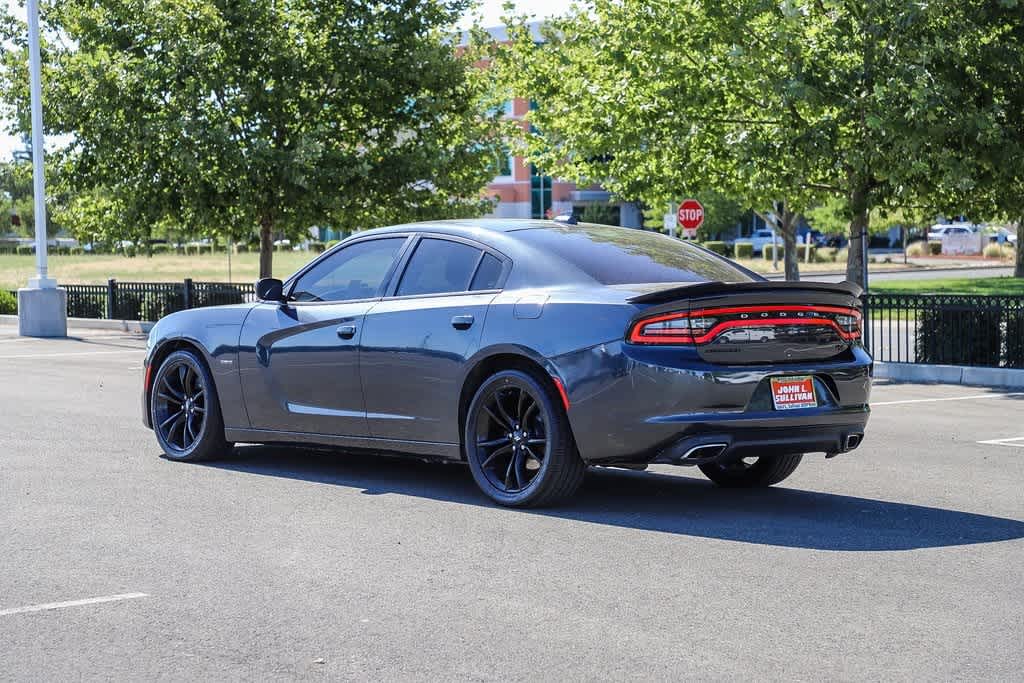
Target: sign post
<point x="690" y="216"/>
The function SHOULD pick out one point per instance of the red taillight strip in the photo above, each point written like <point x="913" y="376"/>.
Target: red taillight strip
<point x="810" y="308"/>
<point x="637" y="336"/>
<point x="771" y="322"/>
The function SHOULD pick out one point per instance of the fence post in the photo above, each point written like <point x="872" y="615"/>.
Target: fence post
<point x="111" y="296"/>
<point x="188" y="292"/>
<point x="867" y="323"/>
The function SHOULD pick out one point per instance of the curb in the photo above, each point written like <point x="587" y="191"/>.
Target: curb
<point x="134" y="326"/>
<point x="999" y="378"/>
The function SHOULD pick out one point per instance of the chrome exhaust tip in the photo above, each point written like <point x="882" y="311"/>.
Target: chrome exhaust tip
<point x="706" y="451"/>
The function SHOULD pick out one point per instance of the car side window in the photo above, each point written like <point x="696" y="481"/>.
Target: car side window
<point x="488" y="274"/>
<point x="438" y="266"/>
<point x="354" y="272"/>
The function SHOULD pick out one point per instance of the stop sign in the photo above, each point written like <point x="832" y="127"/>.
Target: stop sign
<point x="691" y="216"/>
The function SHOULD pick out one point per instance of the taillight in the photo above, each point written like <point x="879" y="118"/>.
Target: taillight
<point x="704" y="325"/>
<point x="673" y="328"/>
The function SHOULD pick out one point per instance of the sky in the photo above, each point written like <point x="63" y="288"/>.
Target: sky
<point x="490" y="11"/>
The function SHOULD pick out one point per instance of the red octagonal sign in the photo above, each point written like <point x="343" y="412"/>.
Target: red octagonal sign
<point x="690" y="214"/>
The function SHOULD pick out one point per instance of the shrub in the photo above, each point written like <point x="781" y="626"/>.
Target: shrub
<point x="917" y="249"/>
<point x="204" y="249"/>
<point x="744" y="250"/>
<point x="826" y="255"/>
<point x="316" y="247"/>
<point x="161" y="249"/>
<point x="86" y="305"/>
<point x="25" y="250"/>
<point x="241" y="248"/>
<point x="8" y="303"/>
<point x="958" y="335"/>
<point x="802" y="252"/>
<point x="934" y="248"/>
<point x="77" y="251"/>
<point x="717" y="247"/>
<point x="219" y="295"/>
<point x="1015" y="338"/>
<point x="129" y="251"/>
<point x="330" y="244"/>
<point x="156" y="305"/>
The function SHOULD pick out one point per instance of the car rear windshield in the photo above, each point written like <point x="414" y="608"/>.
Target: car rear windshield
<point x="622" y="256"/>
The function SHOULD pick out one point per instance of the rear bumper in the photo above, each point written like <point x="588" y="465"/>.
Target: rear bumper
<point x="637" y="409"/>
<point x="725" y="446"/>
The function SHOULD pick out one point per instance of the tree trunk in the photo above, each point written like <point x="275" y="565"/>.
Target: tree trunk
<point x="1018" y="270"/>
<point x="787" y="227"/>
<point x="858" y="231"/>
<point x="266" y="246"/>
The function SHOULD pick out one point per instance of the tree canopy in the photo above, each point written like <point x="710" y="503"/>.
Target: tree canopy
<point x="794" y="102"/>
<point x="263" y="115"/>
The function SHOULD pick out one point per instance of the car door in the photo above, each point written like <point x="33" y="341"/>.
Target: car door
<point x="417" y="339"/>
<point x="299" y="360"/>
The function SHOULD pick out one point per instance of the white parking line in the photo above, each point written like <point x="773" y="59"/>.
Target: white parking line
<point x="951" y="398"/>
<point x="69" y="353"/>
<point x="71" y="603"/>
<point x="1017" y="441"/>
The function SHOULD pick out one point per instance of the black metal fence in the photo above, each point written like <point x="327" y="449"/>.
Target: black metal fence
<point x="151" y="300"/>
<point x="946" y="329"/>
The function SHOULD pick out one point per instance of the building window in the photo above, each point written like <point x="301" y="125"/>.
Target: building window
<point x="503" y="164"/>
<point x="540" y="193"/>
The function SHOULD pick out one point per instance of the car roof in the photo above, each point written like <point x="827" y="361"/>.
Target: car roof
<point x="469" y="226"/>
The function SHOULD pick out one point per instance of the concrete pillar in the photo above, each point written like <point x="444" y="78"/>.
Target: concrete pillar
<point x="43" y="312"/>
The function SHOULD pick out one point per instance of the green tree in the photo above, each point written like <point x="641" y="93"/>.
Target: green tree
<point x="260" y="115"/>
<point x="785" y="103"/>
<point x="17" y="201"/>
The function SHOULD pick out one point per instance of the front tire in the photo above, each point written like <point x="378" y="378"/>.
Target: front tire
<point x="185" y="410"/>
<point x="518" y="442"/>
<point x="746" y="474"/>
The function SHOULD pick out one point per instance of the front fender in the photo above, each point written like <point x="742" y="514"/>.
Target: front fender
<point x="214" y="332"/>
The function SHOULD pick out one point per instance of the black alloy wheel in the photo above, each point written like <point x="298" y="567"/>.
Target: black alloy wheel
<point x="184" y="409"/>
<point x="751" y="472"/>
<point x="518" y="441"/>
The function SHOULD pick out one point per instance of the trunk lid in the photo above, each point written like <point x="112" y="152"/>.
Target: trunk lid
<point x="762" y="322"/>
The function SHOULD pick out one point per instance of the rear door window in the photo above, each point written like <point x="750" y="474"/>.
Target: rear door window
<point x="437" y="267"/>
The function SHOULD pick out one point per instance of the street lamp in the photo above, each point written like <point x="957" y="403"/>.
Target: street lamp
<point x="42" y="306"/>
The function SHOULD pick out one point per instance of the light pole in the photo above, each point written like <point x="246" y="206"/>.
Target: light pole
<point x="42" y="306"/>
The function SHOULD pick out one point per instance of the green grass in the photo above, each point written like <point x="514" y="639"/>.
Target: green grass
<point x="986" y="285"/>
<point x="96" y="269"/>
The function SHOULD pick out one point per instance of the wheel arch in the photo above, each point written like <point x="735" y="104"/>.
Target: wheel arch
<point x="165" y="348"/>
<point x="505" y="358"/>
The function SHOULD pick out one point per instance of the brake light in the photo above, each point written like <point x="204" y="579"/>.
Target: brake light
<point x="704" y="325"/>
<point x="673" y="328"/>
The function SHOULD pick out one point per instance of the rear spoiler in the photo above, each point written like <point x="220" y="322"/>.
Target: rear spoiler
<point x="721" y="288"/>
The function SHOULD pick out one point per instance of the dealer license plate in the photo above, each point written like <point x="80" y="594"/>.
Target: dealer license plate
<point x="793" y="392"/>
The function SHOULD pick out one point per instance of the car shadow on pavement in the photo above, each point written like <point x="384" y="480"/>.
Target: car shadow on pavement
<point x="648" y="501"/>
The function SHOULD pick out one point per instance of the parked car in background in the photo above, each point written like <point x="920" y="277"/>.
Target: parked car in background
<point x="938" y="231"/>
<point x="763" y="237"/>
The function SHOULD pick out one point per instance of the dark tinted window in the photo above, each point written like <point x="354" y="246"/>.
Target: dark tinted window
<point x="619" y="256"/>
<point x="488" y="274"/>
<point x="439" y="266"/>
<point x="355" y="272"/>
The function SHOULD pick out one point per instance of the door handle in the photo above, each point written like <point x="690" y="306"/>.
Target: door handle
<point x="347" y="331"/>
<point x="462" y="322"/>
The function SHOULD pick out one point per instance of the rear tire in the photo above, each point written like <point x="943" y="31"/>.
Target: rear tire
<point x="185" y="410"/>
<point x="518" y="442"/>
<point x="741" y="474"/>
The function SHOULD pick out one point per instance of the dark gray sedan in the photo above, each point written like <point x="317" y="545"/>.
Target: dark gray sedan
<point x="529" y="350"/>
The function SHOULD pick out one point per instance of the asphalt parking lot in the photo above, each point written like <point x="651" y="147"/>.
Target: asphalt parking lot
<point x="904" y="560"/>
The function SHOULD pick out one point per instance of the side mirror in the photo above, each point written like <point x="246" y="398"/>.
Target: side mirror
<point x="270" y="289"/>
